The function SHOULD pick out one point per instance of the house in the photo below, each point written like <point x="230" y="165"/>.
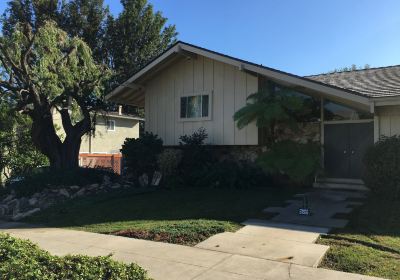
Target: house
<point x="101" y="148"/>
<point x="188" y="87"/>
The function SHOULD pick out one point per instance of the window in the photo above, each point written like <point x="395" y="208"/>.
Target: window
<point x="196" y="106"/>
<point x="338" y="112"/>
<point x="110" y="125"/>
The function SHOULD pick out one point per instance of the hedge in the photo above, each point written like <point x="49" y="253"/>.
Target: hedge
<point x="23" y="260"/>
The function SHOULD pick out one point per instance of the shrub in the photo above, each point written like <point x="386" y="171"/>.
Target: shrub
<point x="196" y="139"/>
<point x="233" y="174"/>
<point x="168" y="162"/>
<point x="196" y="158"/>
<point x="300" y="162"/>
<point x="21" y="259"/>
<point x="140" y="155"/>
<point x="47" y="178"/>
<point x="382" y="167"/>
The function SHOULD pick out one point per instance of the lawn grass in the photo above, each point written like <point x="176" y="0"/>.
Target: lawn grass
<point x="370" y="244"/>
<point x="182" y="216"/>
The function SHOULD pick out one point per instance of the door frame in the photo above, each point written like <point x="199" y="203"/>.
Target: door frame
<point x="369" y="121"/>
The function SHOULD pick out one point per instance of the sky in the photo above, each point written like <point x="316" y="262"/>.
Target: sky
<point x="298" y="36"/>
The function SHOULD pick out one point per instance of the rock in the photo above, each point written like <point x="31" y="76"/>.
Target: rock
<point x="8" y="198"/>
<point x="33" y="201"/>
<point x="3" y="211"/>
<point x="81" y="192"/>
<point x="23" y="204"/>
<point x="36" y="195"/>
<point x="106" y="180"/>
<point x="13" y="207"/>
<point x="116" y="186"/>
<point x="20" y="216"/>
<point x="74" y="188"/>
<point x="92" y="187"/>
<point x="127" y="186"/>
<point x="64" y="192"/>
<point x="144" y="180"/>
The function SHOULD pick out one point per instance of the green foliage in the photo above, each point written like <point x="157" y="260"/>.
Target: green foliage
<point x="168" y="162"/>
<point x="382" y="167"/>
<point x="55" y="179"/>
<point x="274" y="107"/>
<point x="23" y="260"/>
<point x="125" y="43"/>
<point x="136" y="36"/>
<point x="140" y="155"/>
<point x="196" y="139"/>
<point x="232" y="174"/>
<point x="17" y="152"/>
<point x="53" y="69"/>
<point x="186" y="232"/>
<point x="196" y="158"/>
<point x="184" y="209"/>
<point x="370" y="243"/>
<point x="44" y="70"/>
<point x="298" y="161"/>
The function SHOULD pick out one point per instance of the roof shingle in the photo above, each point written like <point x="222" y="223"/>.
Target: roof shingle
<point x="372" y="82"/>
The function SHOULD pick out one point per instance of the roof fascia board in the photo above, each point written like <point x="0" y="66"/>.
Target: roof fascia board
<point x="386" y="101"/>
<point x="277" y="75"/>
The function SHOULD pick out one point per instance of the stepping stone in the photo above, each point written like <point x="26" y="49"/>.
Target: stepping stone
<point x="299" y="233"/>
<point x="266" y="248"/>
<point x="311" y="221"/>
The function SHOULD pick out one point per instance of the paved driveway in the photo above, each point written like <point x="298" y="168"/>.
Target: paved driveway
<point x="235" y="258"/>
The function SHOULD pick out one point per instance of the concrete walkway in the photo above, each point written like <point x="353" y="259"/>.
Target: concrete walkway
<point x="172" y="262"/>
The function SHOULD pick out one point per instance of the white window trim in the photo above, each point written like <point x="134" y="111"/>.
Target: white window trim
<point x="107" y="127"/>
<point x="210" y="98"/>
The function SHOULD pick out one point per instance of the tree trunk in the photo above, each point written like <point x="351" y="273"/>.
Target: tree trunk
<point x="62" y="155"/>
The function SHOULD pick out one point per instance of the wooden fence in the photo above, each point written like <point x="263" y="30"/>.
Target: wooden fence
<point x="109" y="161"/>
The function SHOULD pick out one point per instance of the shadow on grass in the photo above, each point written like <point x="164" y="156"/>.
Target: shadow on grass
<point x="228" y="205"/>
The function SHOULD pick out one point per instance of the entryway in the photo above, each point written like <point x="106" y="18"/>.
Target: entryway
<point x="345" y="144"/>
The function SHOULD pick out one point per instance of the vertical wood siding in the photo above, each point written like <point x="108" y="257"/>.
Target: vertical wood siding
<point x="228" y="88"/>
<point x="389" y="120"/>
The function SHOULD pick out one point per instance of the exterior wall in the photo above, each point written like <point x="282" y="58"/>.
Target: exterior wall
<point x="109" y="141"/>
<point x="228" y="88"/>
<point x="387" y="121"/>
<point x="104" y="141"/>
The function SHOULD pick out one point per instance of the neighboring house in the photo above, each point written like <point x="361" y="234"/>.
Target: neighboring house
<point x="188" y="87"/>
<point x="101" y="148"/>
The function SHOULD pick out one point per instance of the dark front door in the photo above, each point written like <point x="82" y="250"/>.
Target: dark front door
<point x="344" y="148"/>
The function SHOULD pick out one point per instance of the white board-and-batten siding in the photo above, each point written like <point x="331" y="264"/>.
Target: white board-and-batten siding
<point x="227" y="86"/>
<point x="388" y="121"/>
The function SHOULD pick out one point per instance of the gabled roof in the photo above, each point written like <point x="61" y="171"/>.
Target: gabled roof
<point x="133" y="87"/>
<point x="372" y="82"/>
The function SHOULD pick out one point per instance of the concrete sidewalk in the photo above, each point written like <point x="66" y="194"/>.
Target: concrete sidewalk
<point x="172" y="262"/>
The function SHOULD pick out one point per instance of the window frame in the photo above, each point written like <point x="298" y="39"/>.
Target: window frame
<point x="208" y="118"/>
<point x="108" y="127"/>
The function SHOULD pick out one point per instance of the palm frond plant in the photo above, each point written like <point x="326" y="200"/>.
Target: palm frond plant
<point x="272" y="108"/>
<point x="276" y="110"/>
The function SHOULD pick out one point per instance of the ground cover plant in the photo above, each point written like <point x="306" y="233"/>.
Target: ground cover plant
<point x="23" y="260"/>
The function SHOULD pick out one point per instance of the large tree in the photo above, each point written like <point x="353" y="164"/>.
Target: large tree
<point x="83" y="18"/>
<point x="136" y="36"/>
<point x="125" y="42"/>
<point x="44" y="70"/>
